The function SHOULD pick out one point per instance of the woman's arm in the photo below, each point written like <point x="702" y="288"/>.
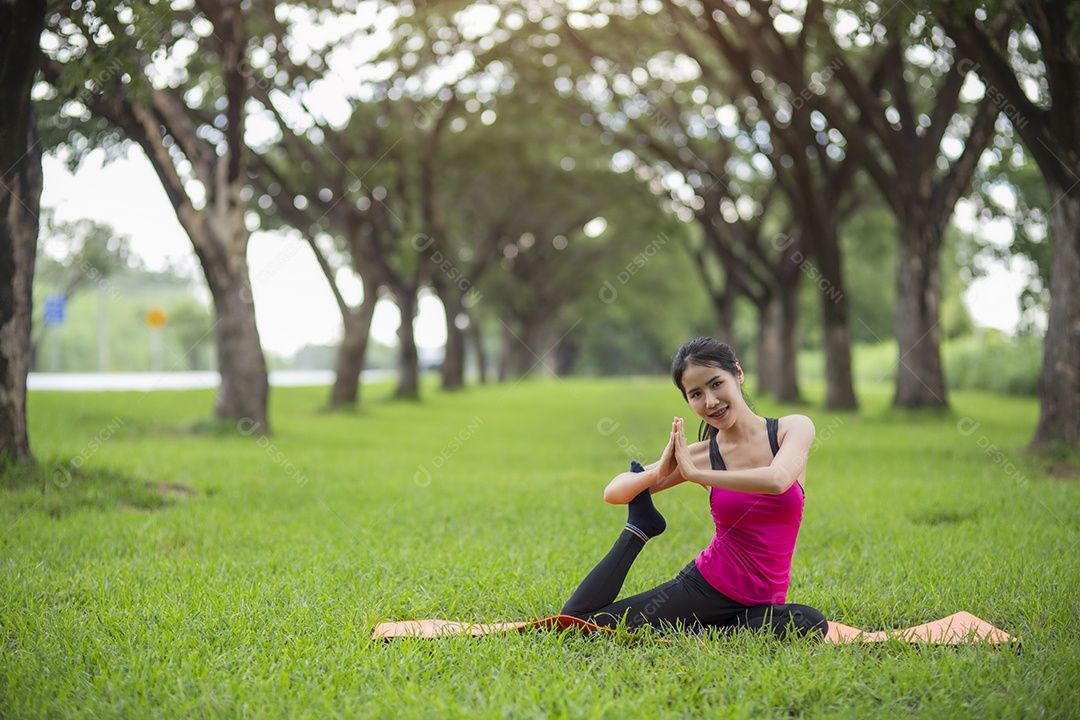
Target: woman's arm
<point x="626" y="486"/>
<point x="787" y="466"/>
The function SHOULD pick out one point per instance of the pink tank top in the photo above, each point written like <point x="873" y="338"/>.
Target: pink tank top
<point x="749" y="559"/>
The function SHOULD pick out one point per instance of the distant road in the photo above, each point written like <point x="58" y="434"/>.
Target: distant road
<point x="181" y="380"/>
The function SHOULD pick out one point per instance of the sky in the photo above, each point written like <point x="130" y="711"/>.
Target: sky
<point x="293" y="303"/>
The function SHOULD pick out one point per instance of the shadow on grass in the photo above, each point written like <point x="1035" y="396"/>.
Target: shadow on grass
<point x="1056" y="462"/>
<point x="945" y="517"/>
<point x="209" y="427"/>
<point x="60" y="488"/>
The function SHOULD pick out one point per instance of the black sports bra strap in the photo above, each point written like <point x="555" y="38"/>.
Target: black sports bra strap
<point x="715" y="459"/>
<point x="773" y="426"/>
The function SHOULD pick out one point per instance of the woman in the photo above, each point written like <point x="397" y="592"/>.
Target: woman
<point x="755" y="469"/>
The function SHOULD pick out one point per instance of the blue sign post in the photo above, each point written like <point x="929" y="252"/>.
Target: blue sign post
<point x="55" y="306"/>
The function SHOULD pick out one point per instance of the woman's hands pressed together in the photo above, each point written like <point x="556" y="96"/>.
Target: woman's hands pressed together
<point x="666" y="472"/>
<point x="668" y="462"/>
<point x="681" y="450"/>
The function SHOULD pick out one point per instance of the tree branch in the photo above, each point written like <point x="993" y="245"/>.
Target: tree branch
<point x="952" y="186"/>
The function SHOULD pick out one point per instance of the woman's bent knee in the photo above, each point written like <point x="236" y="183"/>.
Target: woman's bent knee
<point x="809" y="621"/>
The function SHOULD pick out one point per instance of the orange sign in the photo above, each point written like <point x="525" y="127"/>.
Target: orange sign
<point x="156" y="318"/>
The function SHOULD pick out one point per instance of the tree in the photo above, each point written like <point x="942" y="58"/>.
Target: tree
<point x="454" y="103"/>
<point x="908" y="107"/>
<point x="20" y="198"/>
<point x="377" y="196"/>
<point x="766" y="128"/>
<point x="892" y="131"/>
<point x="191" y="124"/>
<point x="364" y="201"/>
<point x="1046" y="60"/>
<point x="284" y="188"/>
<point x="519" y="187"/>
<point x="546" y="258"/>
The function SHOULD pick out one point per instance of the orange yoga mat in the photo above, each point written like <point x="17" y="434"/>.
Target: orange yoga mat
<point x="957" y="629"/>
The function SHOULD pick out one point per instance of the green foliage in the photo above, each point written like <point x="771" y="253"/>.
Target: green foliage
<point x="986" y="360"/>
<point x="259" y="596"/>
<point x="101" y="48"/>
<point x="640" y="309"/>
<point x="990" y="361"/>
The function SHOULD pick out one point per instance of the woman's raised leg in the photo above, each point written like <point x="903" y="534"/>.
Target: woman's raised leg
<point x="601" y="586"/>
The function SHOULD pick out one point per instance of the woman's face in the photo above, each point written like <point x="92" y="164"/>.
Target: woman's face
<point x="714" y="394"/>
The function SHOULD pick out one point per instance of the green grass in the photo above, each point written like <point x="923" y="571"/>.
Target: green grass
<point x="257" y="596"/>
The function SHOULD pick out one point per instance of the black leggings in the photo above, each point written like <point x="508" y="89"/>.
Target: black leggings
<point x="688" y="601"/>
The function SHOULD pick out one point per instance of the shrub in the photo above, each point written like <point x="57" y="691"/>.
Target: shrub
<point x="990" y="361"/>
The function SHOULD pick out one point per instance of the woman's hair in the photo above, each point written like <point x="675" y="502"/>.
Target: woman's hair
<point x="711" y="353"/>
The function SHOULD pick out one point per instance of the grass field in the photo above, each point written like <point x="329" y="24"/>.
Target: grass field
<point x="256" y="596"/>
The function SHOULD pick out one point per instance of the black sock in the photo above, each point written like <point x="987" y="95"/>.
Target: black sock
<point x="644" y="519"/>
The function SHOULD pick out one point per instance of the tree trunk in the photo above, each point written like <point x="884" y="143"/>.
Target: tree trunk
<point x="20" y="196"/>
<point x="502" y="371"/>
<point x="827" y="276"/>
<point x="920" y="382"/>
<point x="515" y="359"/>
<point x="839" y="391"/>
<point x="244" y="390"/>
<point x="1059" y="384"/>
<point x="537" y="355"/>
<point x="565" y="356"/>
<point x="453" y="367"/>
<point x="778" y="346"/>
<point x="724" y="310"/>
<point x="768" y="347"/>
<point x="353" y="352"/>
<point x="408" y="358"/>
<point x="476" y="340"/>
